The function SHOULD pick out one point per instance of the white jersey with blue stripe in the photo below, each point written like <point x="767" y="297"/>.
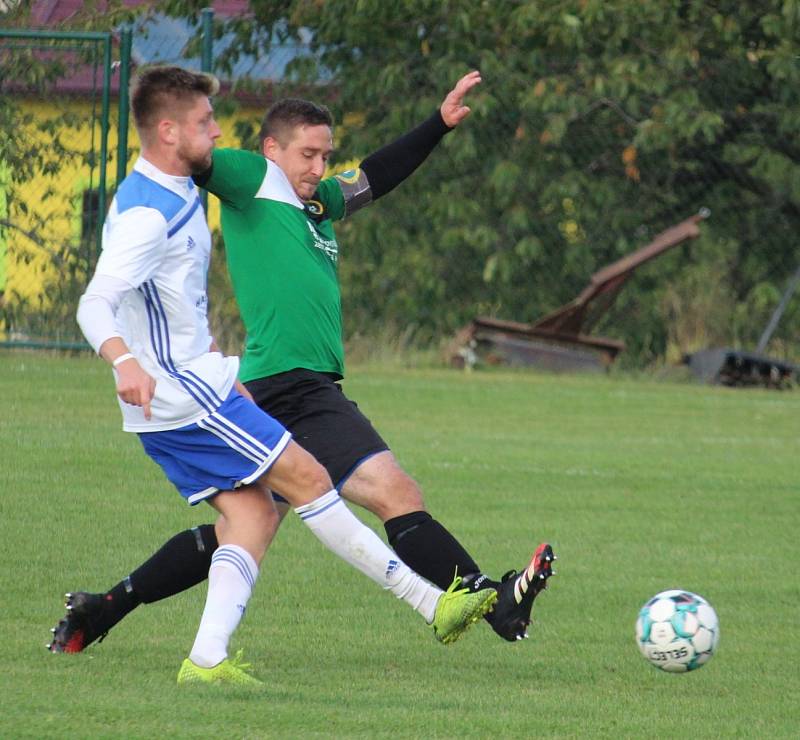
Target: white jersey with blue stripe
<point x="156" y="239"/>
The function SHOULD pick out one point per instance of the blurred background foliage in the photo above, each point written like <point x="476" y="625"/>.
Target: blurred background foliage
<point x="599" y="123"/>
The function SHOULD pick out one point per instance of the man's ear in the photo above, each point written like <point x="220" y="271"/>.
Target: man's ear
<point x="269" y="146"/>
<point x="167" y="131"/>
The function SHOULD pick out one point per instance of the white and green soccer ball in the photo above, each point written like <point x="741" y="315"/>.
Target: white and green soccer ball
<point x="677" y="631"/>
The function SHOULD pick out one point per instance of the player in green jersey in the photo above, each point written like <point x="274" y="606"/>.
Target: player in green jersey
<point x="277" y="221"/>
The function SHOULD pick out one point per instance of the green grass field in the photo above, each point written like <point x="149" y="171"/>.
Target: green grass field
<point x="639" y="485"/>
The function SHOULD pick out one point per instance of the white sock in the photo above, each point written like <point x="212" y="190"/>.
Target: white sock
<point x="339" y="530"/>
<point x="231" y="578"/>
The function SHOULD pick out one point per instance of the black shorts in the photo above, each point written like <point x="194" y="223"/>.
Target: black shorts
<point x="313" y="407"/>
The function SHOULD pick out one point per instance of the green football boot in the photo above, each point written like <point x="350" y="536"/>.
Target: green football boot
<point x="458" y="609"/>
<point x="230" y="671"/>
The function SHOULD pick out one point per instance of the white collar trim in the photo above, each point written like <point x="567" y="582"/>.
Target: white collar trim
<point x="276" y="186"/>
<point x="180" y="185"/>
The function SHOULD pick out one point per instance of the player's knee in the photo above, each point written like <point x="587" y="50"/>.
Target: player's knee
<point x="300" y="478"/>
<point x="401" y="495"/>
<point x="266" y="512"/>
<point x="410" y="496"/>
<point x="257" y="510"/>
<point x="313" y="479"/>
<point x="249" y="519"/>
<point x="259" y="529"/>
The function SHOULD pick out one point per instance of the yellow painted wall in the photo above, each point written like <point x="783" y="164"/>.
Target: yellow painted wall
<point x="49" y="198"/>
<point x="35" y="254"/>
<point x="56" y="198"/>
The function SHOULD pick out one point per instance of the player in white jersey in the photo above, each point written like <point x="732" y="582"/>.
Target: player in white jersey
<point x="145" y="313"/>
<point x="155" y="240"/>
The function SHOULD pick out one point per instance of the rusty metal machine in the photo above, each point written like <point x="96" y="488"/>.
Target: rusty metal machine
<point x="561" y="340"/>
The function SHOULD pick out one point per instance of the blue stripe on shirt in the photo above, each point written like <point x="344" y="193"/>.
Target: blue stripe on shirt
<point x="185" y="218"/>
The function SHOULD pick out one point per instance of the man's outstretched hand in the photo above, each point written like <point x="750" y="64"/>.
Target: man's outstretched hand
<point x="453" y="109"/>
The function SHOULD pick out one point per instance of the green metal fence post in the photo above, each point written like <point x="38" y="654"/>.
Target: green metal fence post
<point x="101" y="196"/>
<point x="206" y="60"/>
<point x="125" y="44"/>
<point x="206" y="65"/>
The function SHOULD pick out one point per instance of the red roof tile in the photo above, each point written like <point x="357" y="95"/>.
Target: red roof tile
<point x="49" y="13"/>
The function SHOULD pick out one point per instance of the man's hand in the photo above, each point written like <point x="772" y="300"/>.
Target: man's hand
<point x="135" y="386"/>
<point x="453" y="111"/>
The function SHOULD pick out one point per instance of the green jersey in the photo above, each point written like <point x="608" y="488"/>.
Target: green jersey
<point x="282" y="258"/>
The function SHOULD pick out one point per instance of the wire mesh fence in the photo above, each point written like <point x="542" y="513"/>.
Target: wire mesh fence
<point x="563" y="168"/>
<point x="533" y="194"/>
<point x="541" y="187"/>
<point x="55" y="169"/>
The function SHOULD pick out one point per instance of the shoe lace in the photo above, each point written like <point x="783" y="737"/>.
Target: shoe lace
<point x="237" y="661"/>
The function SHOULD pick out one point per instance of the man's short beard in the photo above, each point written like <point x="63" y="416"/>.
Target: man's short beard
<point x="198" y="166"/>
<point x="194" y="164"/>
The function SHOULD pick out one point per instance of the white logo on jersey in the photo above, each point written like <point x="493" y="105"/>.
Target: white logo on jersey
<point x="329" y="246"/>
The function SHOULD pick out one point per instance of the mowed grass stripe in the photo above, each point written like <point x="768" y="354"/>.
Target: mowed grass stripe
<point x="639" y="485"/>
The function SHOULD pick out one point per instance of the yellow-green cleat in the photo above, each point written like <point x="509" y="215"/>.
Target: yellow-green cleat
<point x="230" y="671"/>
<point x="458" y="609"/>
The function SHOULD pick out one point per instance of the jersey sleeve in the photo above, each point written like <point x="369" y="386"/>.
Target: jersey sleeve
<point x="235" y="176"/>
<point x="97" y="309"/>
<point x="329" y="191"/>
<point x="133" y="245"/>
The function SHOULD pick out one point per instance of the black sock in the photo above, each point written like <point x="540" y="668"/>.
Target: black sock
<point x="117" y="602"/>
<point x="427" y="547"/>
<point x="182" y="562"/>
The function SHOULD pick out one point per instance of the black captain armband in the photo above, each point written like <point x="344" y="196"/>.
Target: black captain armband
<point x="355" y="189"/>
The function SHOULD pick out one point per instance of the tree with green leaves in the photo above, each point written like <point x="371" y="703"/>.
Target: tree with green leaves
<point x="599" y="124"/>
<point x="602" y="123"/>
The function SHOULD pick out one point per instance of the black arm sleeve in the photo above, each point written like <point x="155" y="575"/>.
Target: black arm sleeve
<point x="390" y="165"/>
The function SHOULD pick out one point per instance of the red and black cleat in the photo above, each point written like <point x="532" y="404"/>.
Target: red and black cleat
<point x="512" y="612"/>
<point x="79" y="628"/>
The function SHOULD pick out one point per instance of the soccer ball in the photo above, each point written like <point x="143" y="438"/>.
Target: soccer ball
<point x="677" y="631"/>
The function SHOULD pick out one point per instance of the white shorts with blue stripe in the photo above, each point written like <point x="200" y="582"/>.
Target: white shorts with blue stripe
<point x="231" y="447"/>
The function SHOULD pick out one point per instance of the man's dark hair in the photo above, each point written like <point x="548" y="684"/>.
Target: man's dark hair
<point x="289" y="113"/>
<point x="156" y="89"/>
